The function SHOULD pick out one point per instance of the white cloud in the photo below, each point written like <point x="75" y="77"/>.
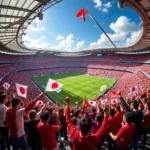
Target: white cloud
<point x="107" y="5"/>
<point x="121" y="28"/>
<point x="68" y="42"/>
<point x="123" y="24"/>
<point x="102" y="6"/>
<point x="39" y="43"/>
<point x="80" y="44"/>
<point x="36" y="25"/>
<point x="133" y="38"/>
<point x="105" y="10"/>
<point x="59" y="37"/>
<point x="98" y="4"/>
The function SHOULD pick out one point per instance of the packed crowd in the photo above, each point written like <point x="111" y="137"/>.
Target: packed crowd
<point x="32" y="125"/>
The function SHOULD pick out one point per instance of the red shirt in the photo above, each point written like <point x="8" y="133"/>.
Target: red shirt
<point x="119" y="117"/>
<point x="146" y="122"/>
<point x="47" y="133"/>
<point x="125" y="135"/>
<point x="112" y="125"/>
<point x="84" y="143"/>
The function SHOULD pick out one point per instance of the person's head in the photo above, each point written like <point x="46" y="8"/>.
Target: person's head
<point x="134" y="105"/>
<point x="85" y="126"/>
<point x="112" y="112"/>
<point x="117" y="108"/>
<point x="76" y="113"/>
<point x="148" y="105"/>
<point x="61" y="111"/>
<point x="93" y="110"/>
<point x="2" y="99"/>
<point x="50" y="110"/>
<point x="128" y="117"/>
<point x="99" y="118"/>
<point x="45" y="117"/>
<point x="15" y="103"/>
<point x="74" y="121"/>
<point x="32" y="114"/>
<point x="35" y="108"/>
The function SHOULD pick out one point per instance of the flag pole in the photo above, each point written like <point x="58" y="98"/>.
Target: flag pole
<point x="101" y="29"/>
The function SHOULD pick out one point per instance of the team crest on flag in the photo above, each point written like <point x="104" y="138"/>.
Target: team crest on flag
<point x="6" y="85"/>
<point x="22" y="90"/>
<point x="53" y="85"/>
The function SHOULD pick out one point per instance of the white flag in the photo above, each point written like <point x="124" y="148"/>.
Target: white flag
<point x="134" y="90"/>
<point x="22" y="90"/>
<point x="92" y="103"/>
<point x="53" y="85"/>
<point x="6" y="85"/>
<point x="104" y="101"/>
<point x="114" y="101"/>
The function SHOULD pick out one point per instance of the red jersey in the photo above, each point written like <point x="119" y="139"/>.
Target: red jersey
<point x="47" y="133"/>
<point x="84" y="143"/>
<point x="119" y="117"/>
<point x="125" y="135"/>
<point x="112" y="125"/>
<point x="146" y="122"/>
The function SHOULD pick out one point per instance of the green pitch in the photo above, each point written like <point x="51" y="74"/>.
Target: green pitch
<point x="76" y="86"/>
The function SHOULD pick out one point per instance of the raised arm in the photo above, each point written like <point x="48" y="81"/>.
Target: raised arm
<point x="70" y="125"/>
<point x="123" y="103"/>
<point x="102" y="130"/>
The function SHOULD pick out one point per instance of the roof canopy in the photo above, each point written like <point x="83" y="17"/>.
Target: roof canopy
<point x="16" y="15"/>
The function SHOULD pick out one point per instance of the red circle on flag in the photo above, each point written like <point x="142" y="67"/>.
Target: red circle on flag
<point x="91" y="102"/>
<point x="133" y="89"/>
<point x="54" y="85"/>
<point x="22" y="90"/>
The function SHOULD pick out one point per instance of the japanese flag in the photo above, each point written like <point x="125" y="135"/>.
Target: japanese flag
<point x="21" y="90"/>
<point x="39" y="103"/>
<point x="114" y="101"/>
<point x="6" y="85"/>
<point x="92" y="103"/>
<point x="134" y="90"/>
<point x="53" y="85"/>
<point x="104" y="101"/>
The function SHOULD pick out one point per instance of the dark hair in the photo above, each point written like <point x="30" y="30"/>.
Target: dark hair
<point x="148" y="105"/>
<point x="45" y="116"/>
<point x="93" y="110"/>
<point x="135" y="104"/>
<point x="32" y="114"/>
<point x="15" y="102"/>
<point x="118" y="108"/>
<point x="74" y="120"/>
<point x="61" y="111"/>
<point x="2" y="98"/>
<point x="112" y="112"/>
<point x="85" y="125"/>
<point x="76" y="113"/>
<point x="129" y="117"/>
<point x="99" y="118"/>
<point x="35" y="108"/>
<point x="50" y="110"/>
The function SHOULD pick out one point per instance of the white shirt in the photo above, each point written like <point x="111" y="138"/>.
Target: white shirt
<point x="3" y="110"/>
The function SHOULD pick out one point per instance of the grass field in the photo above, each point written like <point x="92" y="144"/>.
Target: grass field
<point x="76" y="86"/>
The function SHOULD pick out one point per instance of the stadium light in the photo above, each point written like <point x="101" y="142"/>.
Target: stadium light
<point x="40" y="16"/>
<point x="120" y="4"/>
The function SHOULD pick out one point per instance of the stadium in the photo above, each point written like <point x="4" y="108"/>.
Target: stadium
<point x="82" y="72"/>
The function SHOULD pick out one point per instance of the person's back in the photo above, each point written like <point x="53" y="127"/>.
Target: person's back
<point x="32" y="131"/>
<point x="47" y="132"/>
<point x="137" y="120"/>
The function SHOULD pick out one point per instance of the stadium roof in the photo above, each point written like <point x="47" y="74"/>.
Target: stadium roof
<point x="16" y="15"/>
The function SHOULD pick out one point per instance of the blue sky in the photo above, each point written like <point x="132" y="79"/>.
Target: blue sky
<point x="62" y="30"/>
